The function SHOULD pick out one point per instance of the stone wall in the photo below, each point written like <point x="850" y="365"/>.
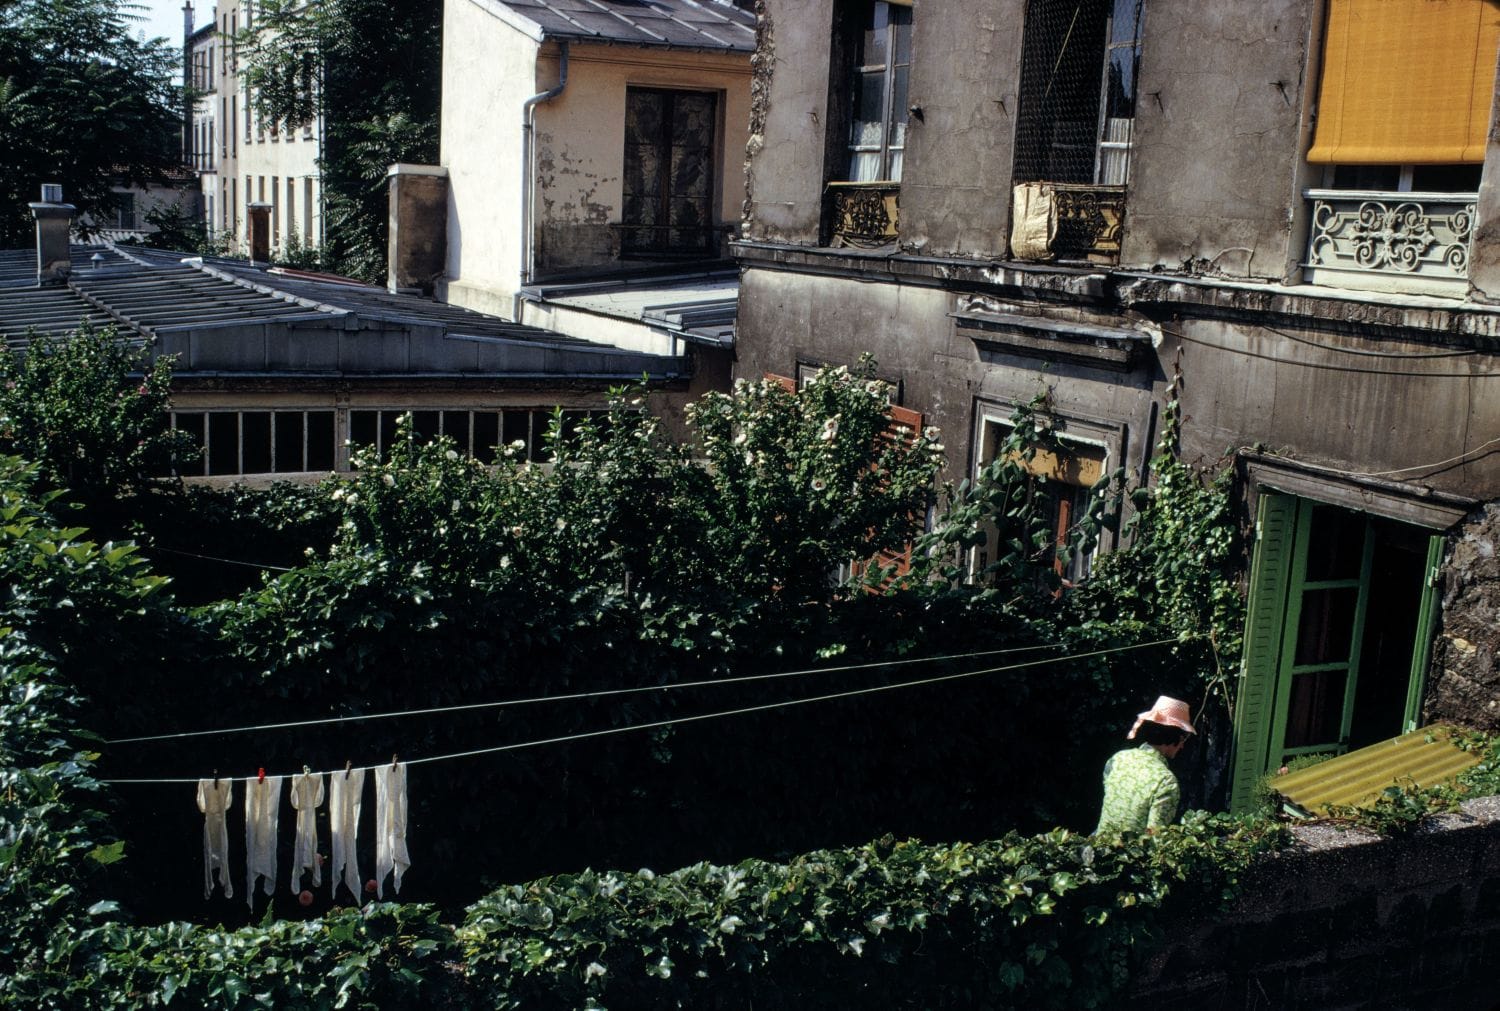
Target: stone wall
<point x="1347" y="920"/>
<point x="1465" y="681"/>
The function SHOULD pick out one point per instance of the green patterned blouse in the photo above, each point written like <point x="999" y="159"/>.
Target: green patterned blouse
<point x="1140" y="791"/>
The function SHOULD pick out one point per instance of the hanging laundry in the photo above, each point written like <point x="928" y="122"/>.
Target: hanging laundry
<point x="307" y="797"/>
<point x="214" y="797"/>
<point x="343" y="818"/>
<point x="262" y="812"/>
<point x="390" y="826"/>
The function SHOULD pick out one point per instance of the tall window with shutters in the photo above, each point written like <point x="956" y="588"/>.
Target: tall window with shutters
<point x="1403" y="113"/>
<point x="881" y="75"/>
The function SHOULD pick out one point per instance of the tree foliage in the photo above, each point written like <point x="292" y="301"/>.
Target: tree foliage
<point x="85" y="102"/>
<point x="91" y="410"/>
<point x="372" y="70"/>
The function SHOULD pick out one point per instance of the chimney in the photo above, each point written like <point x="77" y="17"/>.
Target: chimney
<point x="54" y="220"/>
<point x="258" y="214"/>
<point x="418" y="244"/>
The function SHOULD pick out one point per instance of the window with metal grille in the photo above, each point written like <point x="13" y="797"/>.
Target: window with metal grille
<point x="882" y="71"/>
<point x="1079" y="62"/>
<point x="669" y="171"/>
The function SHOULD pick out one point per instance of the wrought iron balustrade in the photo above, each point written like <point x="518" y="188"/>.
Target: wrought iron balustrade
<point x="1416" y="242"/>
<point x="1083" y="222"/>
<point x="863" y="214"/>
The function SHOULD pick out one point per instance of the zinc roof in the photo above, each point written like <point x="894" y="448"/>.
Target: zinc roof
<point x="1421" y="758"/>
<point x="690" y="24"/>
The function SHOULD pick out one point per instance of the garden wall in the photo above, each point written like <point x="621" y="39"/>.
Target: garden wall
<point x="1465" y="686"/>
<point x="1348" y="920"/>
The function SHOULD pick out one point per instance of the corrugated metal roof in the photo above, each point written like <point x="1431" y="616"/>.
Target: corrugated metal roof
<point x="228" y="316"/>
<point x="690" y="24"/>
<point x="1421" y="758"/>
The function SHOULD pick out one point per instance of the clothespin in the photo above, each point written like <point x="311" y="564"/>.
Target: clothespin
<point x="260" y="774"/>
<point x="216" y="777"/>
<point x="393" y="759"/>
<point x="348" y="766"/>
<point x="307" y="770"/>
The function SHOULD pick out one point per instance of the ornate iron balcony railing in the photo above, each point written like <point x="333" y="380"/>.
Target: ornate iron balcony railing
<point x="1381" y="241"/>
<point x="1083" y="222"/>
<point x="863" y="214"/>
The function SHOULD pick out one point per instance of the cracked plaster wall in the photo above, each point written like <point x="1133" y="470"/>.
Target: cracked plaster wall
<point x="1465" y="680"/>
<point x="1216" y="167"/>
<point x="784" y="155"/>
<point x="955" y="194"/>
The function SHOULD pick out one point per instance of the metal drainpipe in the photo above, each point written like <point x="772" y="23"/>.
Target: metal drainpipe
<point x="528" y="176"/>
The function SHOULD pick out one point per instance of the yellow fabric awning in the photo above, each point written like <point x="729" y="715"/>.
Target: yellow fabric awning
<point x="1406" y="82"/>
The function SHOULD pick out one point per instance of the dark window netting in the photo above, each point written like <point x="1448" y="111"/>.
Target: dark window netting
<point x="1062" y="65"/>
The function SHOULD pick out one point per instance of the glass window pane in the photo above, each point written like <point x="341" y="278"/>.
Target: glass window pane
<point x="362" y="428"/>
<point x="864" y="167"/>
<point x="1315" y="713"/>
<point x="541" y="424"/>
<point x="1326" y="628"/>
<point x="869" y="109"/>
<point x="320" y="440"/>
<point x="456" y="427"/>
<point x="517" y="428"/>
<point x="425" y="426"/>
<point x="487" y="434"/>
<point x="901" y="30"/>
<point x="1125" y="21"/>
<point x="388" y="432"/>
<point x="898" y="106"/>
<point x="192" y="423"/>
<point x="224" y="443"/>
<point x="255" y="436"/>
<point x="872" y="43"/>
<point x="1336" y="545"/>
<point x="1120" y="93"/>
<point x="288" y="441"/>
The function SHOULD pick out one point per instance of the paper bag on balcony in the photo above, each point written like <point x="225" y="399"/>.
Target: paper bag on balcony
<point x="1033" y="222"/>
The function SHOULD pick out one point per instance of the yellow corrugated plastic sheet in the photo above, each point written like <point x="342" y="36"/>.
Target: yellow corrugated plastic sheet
<point x="1421" y="758"/>
<point x="1406" y="82"/>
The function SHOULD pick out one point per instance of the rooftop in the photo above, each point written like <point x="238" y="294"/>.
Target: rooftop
<point x="229" y="316"/>
<point x="687" y="24"/>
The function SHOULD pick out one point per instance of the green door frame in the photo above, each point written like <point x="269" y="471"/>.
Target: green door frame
<point x="1273" y="614"/>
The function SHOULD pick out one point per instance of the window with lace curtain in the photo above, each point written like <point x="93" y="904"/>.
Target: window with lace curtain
<point x="882" y="70"/>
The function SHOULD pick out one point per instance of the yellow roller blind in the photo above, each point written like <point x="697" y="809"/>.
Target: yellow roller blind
<point x="1406" y="82"/>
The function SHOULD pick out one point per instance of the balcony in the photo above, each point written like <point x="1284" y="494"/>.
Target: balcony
<point x="864" y="215"/>
<point x="1381" y="241"/>
<point x="1076" y="222"/>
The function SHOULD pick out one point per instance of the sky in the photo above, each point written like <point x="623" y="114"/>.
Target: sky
<point x="164" y="18"/>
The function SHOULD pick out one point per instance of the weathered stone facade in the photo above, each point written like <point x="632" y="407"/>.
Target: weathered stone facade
<point x="1465" y="680"/>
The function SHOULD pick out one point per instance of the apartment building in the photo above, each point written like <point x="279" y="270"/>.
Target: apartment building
<point x="1279" y="214"/>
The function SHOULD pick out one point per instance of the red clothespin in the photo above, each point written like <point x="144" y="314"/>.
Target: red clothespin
<point x="260" y="774"/>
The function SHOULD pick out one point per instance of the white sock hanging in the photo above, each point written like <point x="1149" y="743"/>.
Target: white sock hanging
<point x="390" y="826"/>
<point x="343" y="817"/>
<point x="307" y="797"/>
<point x="262" y="812"/>
<point x="214" y="797"/>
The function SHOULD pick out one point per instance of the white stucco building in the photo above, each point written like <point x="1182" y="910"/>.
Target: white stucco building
<point x="594" y="157"/>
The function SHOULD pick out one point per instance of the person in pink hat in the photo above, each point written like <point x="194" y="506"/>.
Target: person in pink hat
<point x="1140" y="790"/>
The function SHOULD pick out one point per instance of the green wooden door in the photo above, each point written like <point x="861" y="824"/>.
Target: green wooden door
<point x="1310" y="591"/>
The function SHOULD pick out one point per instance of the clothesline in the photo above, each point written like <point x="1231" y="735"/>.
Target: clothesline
<point x="496" y="749"/>
<point x="576" y="696"/>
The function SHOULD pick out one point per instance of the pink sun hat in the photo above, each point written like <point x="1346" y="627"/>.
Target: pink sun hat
<point x="1167" y="711"/>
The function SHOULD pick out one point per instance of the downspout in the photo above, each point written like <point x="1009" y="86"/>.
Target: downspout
<point x="528" y="175"/>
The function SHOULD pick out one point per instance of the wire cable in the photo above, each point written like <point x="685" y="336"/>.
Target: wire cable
<point x="1324" y="366"/>
<point x="148" y="548"/>
<point x="609" y="731"/>
<point x="574" y="697"/>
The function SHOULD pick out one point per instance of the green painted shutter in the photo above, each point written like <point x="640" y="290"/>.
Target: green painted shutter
<point x="1427" y="618"/>
<point x="1256" y="697"/>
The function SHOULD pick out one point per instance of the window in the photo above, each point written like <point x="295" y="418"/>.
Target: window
<point x="1063" y="474"/>
<point x="478" y="433"/>
<point x="125" y="216"/>
<point x="275" y="209"/>
<point x="882" y="70"/>
<point x="1079" y="62"/>
<point x="307" y="210"/>
<point x="260" y="442"/>
<point x="291" y="209"/>
<point x="1338" y="635"/>
<point x="669" y="171"/>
